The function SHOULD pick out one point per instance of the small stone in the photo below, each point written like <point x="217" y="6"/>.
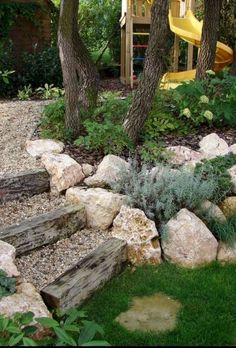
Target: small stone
<point x="228" y="206"/>
<point x="212" y="211"/>
<point x="108" y="171"/>
<point x="87" y="169"/>
<point x="141" y="236"/>
<point x="7" y="259"/>
<point x="188" y="242"/>
<point x="36" y="148"/>
<point x="232" y="173"/>
<point x="232" y="149"/>
<point x="182" y="154"/>
<point x="227" y="253"/>
<point x="65" y="171"/>
<point x="101" y="205"/>
<point x="212" y="146"/>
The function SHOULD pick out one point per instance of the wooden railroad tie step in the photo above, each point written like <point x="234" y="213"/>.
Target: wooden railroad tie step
<point x="44" y="229"/>
<point x="78" y="283"/>
<point x="27" y="183"/>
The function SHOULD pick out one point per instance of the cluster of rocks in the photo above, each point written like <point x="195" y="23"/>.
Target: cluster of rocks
<point x="26" y="298"/>
<point x="187" y="242"/>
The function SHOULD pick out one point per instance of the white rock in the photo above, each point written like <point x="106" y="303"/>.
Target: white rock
<point x="232" y="173"/>
<point x="36" y="148"/>
<point x="212" y="146"/>
<point x="182" y="154"/>
<point x="141" y="235"/>
<point x="188" y="242"/>
<point x="226" y="253"/>
<point x="7" y="259"/>
<point x="160" y="171"/>
<point x="212" y="210"/>
<point x="65" y="171"/>
<point x="232" y="149"/>
<point x="87" y="169"/>
<point x="26" y="299"/>
<point x="101" y="205"/>
<point x="108" y="171"/>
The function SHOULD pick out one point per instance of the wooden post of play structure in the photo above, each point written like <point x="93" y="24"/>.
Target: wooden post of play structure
<point x="190" y="5"/>
<point x="175" y="10"/>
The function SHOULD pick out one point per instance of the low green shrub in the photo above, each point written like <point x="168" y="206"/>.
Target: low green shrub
<point x="50" y="91"/>
<point x="52" y="122"/>
<point x="218" y="167"/>
<point x="25" y="93"/>
<point x="163" y="194"/>
<point x="69" y="328"/>
<point x="224" y="231"/>
<point x="7" y="284"/>
<point x="211" y="101"/>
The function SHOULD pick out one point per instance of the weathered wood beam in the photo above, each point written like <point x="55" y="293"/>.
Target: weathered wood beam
<point x="77" y="284"/>
<point x="27" y="183"/>
<point x="44" y="229"/>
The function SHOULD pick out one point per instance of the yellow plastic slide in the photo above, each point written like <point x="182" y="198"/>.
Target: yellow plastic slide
<point x="190" y="30"/>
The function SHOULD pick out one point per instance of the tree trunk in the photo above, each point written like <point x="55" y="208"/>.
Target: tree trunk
<point x="210" y="30"/>
<point x="80" y="76"/>
<point x="152" y="72"/>
<point x="233" y="67"/>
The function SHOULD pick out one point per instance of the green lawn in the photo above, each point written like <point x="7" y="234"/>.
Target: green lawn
<point x="208" y="297"/>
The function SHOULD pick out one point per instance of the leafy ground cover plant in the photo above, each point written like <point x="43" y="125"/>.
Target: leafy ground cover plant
<point x="69" y="328"/>
<point x="218" y="167"/>
<point x="163" y="193"/>
<point x="25" y="93"/>
<point x="50" y="91"/>
<point x="7" y="284"/>
<point x="224" y="231"/>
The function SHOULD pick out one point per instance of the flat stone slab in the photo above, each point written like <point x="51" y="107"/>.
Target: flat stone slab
<point x="44" y="229"/>
<point x="27" y="183"/>
<point x="155" y="313"/>
<point x="77" y="284"/>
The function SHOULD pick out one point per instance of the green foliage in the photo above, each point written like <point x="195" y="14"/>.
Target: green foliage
<point x="164" y="117"/>
<point x="104" y="130"/>
<point x="49" y="91"/>
<point x="52" y="122"/>
<point x="4" y="75"/>
<point x="224" y="231"/>
<point x="218" y="167"/>
<point x="152" y="152"/>
<point x="7" y="284"/>
<point x="210" y="101"/>
<point x="25" y="93"/>
<point x="70" y="328"/>
<point x="163" y="193"/>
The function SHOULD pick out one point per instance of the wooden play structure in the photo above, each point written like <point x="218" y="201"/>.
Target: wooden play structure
<point x="135" y="25"/>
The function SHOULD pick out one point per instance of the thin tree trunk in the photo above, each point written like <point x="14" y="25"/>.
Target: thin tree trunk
<point x="80" y="77"/>
<point x="210" y="30"/>
<point x="152" y="72"/>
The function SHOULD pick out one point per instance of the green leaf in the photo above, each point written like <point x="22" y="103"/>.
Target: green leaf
<point x="89" y="331"/>
<point x="64" y="337"/>
<point x="96" y="344"/>
<point x="14" y="329"/>
<point x="29" y="342"/>
<point x="29" y="330"/>
<point x="15" y="339"/>
<point x="47" y="322"/>
<point x="27" y="318"/>
<point x="73" y="328"/>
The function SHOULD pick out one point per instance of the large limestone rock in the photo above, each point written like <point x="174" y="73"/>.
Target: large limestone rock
<point x="232" y="149"/>
<point x="212" y="146"/>
<point x="188" y="242"/>
<point x="141" y="235"/>
<point x="101" y="205"/>
<point x="228" y="206"/>
<point x="64" y="170"/>
<point x="108" y="171"/>
<point x="36" y="148"/>
<point x="26" y="299"/>
<point x="211" y="210"/>
<point x="181" y="155"/>
<point x="232" y="173"/>
<point x="7" y="260"/>
<point x="226" y="253"/>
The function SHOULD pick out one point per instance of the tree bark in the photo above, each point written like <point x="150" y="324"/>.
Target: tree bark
<point x="80" y="76"/>
<point x="152" y="72"/>
<point x="210" y="30"/>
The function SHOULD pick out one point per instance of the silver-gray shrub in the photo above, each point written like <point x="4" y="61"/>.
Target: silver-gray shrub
<point x="162" y="194"/>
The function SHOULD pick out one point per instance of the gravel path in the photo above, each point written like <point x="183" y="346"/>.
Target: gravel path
<point x="44" y="265"/>
<point x="18" y="121"/>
